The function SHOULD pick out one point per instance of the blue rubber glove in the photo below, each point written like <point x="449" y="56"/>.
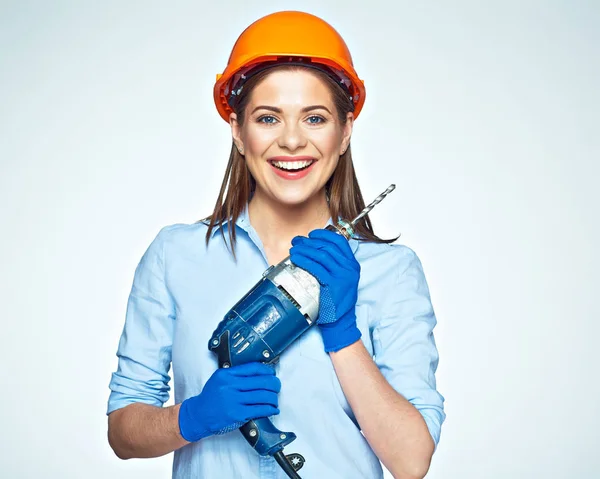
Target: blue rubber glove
<point x="328" y="257"/>
<point x="230" y="398"/>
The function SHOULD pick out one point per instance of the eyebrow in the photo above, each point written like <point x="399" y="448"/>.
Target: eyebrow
<point x="279" y="110"/>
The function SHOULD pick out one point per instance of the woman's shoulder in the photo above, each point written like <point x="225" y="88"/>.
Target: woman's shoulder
<point x="396" y="255"/>
<point x="180" y="235"/>
<point x="388" y="269"/>
<point x="178" y="231"/>
<point x="386" y="265"/>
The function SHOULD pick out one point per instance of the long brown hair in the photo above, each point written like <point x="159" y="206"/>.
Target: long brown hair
<point x="345" y="198"/>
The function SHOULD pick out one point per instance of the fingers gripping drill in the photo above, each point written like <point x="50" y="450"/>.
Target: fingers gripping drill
<point x="280" y="307"/>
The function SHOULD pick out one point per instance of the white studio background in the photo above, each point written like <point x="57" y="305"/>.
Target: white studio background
<point x="484" y="114"/>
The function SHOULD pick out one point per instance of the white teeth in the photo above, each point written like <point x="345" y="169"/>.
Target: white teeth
<point x="292" y="165"/>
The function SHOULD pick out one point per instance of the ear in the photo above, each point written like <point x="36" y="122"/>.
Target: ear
<point x="347" y="132"/>
<point x="236" y="132"/>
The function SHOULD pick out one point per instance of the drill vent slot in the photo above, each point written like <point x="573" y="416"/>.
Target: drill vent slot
<point x="288" y="296"/>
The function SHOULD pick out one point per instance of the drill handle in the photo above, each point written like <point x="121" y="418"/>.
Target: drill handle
<point x="263" y="436"/>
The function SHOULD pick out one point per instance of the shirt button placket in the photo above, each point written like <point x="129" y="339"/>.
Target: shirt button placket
<point x="267" y="468"/>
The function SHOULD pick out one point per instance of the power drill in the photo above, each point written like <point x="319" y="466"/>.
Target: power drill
<point x="280" y="307"/>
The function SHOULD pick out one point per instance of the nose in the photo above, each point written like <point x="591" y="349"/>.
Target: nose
<point x="292" y="137"/>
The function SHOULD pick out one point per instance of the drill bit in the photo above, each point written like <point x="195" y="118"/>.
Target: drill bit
<point x="347" y="229"/>
<point x="372" y="205"/>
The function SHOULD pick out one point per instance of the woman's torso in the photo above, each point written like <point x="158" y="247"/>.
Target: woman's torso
<point x="205" y="282"/>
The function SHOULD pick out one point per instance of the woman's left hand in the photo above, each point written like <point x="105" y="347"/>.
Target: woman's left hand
<point x="328" y="257"/>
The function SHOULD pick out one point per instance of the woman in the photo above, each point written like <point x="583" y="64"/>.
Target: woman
<point x="291" y="95"/>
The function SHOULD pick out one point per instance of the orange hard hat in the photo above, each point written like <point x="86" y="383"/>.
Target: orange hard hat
<point x="287" y="37"/>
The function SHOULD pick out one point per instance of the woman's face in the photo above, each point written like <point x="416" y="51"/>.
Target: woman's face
<point x="291" y="137"/>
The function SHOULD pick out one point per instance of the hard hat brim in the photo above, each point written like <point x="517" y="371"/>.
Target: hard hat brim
<point x="222" y="88"/>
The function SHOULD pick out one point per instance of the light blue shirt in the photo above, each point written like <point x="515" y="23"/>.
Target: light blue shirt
<point x="182" y="289"/>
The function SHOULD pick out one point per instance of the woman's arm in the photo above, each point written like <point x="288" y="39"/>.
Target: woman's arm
<point x="392" y="393"/>
<point x="138" y="425"/>
<point x="141" y="430"/>
<point x="393" y="427"/>
<point x="231" y="397"/>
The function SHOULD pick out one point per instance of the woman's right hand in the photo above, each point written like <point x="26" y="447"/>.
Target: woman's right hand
<point x="230" y="398"/>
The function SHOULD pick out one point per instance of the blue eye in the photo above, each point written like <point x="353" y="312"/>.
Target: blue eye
<point x="313" y="117"/>
<point x="260" y="120"/>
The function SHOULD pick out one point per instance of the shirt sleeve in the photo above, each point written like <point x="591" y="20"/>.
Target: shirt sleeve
<point x="403" y="341"/>
<point x="144" y="351"/>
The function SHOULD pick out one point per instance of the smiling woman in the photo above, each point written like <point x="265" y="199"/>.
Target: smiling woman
<point x="285" y="109"/>
<point x="359" y="390"/>
<point x="292" y="138"/>
<point x="281" y="135"/>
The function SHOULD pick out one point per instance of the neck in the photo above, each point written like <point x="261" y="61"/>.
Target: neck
<point x="277" y="223"/>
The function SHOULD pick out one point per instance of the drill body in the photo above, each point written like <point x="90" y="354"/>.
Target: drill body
<point x="281" y="307"/>
<point x="271" y="316"/>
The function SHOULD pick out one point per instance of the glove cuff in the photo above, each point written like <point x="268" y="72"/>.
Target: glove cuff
<point x="187" y="424"/>
<point x="335" y="339"/>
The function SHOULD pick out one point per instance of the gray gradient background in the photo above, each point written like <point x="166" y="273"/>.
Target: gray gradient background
<point x="484" y="114"/>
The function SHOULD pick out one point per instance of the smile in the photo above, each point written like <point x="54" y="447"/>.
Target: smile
<point x="292" y="165"/>
<point x="290" y="168"/>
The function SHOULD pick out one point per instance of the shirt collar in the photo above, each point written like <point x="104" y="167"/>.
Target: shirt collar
<point x="243" y="222"/>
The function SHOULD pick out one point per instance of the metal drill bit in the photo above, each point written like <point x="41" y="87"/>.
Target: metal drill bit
<point x="372" y="205"/>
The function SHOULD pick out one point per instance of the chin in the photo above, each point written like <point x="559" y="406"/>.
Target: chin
<point x="291" y="199"/>
<point x="293" y="195"/>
